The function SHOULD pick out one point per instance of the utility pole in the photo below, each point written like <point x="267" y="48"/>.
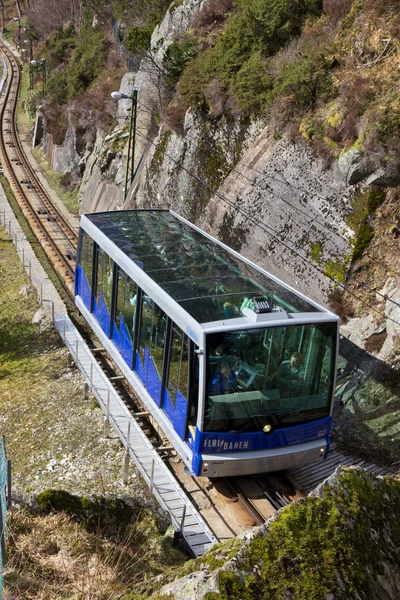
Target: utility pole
<point x="130" y="164"/>
<point x="130" y="161"/>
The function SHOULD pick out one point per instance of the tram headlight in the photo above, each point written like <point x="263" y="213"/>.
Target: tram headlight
<point x="267" y="428"/>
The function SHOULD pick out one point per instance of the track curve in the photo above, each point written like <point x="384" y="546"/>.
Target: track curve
<point x="54" y="233"/>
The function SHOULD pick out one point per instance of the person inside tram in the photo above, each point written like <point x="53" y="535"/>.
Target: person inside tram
<point x="224" y="380"/>
<point x="229" y="310"/>
<point x="290" y="375"/>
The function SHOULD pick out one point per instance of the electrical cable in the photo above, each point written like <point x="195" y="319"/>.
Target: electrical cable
<point x="265" y="228"/>
<point x="284" y="182"/>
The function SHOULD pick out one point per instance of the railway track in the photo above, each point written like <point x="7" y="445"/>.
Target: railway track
<point x="230" y="506"/>
<point x="54" y="233"/>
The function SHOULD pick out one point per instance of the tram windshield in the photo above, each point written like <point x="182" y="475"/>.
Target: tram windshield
<point x="284" y="374"/>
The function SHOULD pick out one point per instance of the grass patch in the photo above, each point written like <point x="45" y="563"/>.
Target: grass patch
<point x="9" y="32"/>
<point x="37" y="248"/>
<point x="54" y="437"/>
<point x="70" y="199"/>
<point x="25" y="120"/>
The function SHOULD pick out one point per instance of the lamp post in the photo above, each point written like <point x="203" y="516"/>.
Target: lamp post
<point x="130" y="164"/>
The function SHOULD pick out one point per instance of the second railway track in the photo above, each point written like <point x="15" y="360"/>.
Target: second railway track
<point x="57" y="237"/>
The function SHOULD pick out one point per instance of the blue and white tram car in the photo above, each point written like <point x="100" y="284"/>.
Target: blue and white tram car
<point x="236" y="367"/>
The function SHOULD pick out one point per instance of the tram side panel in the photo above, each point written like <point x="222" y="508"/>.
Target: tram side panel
<point x="157" y="359"/>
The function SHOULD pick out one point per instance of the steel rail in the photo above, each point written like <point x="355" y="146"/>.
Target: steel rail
<point x="62" y="261"/>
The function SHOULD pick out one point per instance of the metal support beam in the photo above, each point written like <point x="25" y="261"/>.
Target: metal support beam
<point x="130" y="161"/>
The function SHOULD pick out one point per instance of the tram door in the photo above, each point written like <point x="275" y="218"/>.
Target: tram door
<point x="176" y="391"/>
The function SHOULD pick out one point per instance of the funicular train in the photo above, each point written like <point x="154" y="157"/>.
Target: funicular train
<point x="236" y="367"/>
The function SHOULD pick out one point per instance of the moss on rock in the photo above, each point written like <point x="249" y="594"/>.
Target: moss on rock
<point x="338" y="543"/>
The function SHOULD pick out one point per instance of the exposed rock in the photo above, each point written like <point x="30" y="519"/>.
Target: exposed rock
<point x="353" y="167"/>
<point x="40" y="317"/>
<point x="27" y="290"/>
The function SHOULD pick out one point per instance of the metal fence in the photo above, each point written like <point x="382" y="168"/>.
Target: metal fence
<point x="5" y="503"/>
<point x="132" y="62"/>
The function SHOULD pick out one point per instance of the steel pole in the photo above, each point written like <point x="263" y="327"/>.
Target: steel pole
<point x="130" y="161"/>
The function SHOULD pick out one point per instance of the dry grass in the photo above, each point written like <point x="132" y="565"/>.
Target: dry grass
<point x="52" y="557"/>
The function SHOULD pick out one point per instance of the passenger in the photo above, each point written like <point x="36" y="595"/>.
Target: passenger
<point x="229" y="310"/>
<point x="224" y="380"/>
<point x="290" y="374"/>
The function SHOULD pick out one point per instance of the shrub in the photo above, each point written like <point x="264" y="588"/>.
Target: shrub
<point x="30" y="102"/>
<point x="56" y="89"/>
<point x="56" y="122"/>
<point x="177" y="55"/>
<point x="253" y="84"/>
<point x="138" y="39"/>
<point x="336" y="9"/>
<point x="339" y="305"/>
<point x="174" y="116"/>
<point x="195" y="78"/>
<point x="240" y="59"/>
<point x="307" y="79"/>
<point x="58" y="47"/>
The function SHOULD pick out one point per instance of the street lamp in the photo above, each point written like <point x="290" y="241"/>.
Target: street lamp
<point x="130" y="164"/>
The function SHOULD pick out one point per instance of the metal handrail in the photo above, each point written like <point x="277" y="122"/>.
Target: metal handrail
<point x="78" y="348"/>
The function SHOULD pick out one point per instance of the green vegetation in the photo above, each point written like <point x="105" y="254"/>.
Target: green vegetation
<point x="138" y="39"/>
<point x="315" y="252"/>
<point x="322" y="546"/>
<point x="59" y="47"/>
<point x="240" y="59"/>
<point x="55" y="180"/>
<point x="178" y="54"/>
<point x="145" y="14"/>
<point x="39" y="252"/>
<point x="160" y="152"/>
<point x="85" y="64"/>
<point x="367" y="202"/>
<point x="109" y="514"/>
<point x="53" y="556"/>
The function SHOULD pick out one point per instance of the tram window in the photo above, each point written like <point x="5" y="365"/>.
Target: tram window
<point x="104" y="278"/>
<point x="282" y="371"/>
<point x="149" y="364"/>
<point x="126" y="303"/>
<point x="145" y="327"/>
<point x="179" y="365"/>
<point x="99" y="278"/>
<point x="86" y="258"/>
<point x="107" y="281"/>
<point x="158" y="339"/>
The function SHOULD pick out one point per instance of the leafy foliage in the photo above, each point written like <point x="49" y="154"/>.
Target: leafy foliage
<point x="307" y="79"/>
<point x="84" y="67"/>
<point x="178" y="54"/>
<point x="138" y="39"/>
<point x="240" y="58"/>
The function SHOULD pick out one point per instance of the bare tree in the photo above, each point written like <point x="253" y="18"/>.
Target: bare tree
<point x="48" y="15"/>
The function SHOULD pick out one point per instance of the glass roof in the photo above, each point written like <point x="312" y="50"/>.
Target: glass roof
<point x="208" y="281"/>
